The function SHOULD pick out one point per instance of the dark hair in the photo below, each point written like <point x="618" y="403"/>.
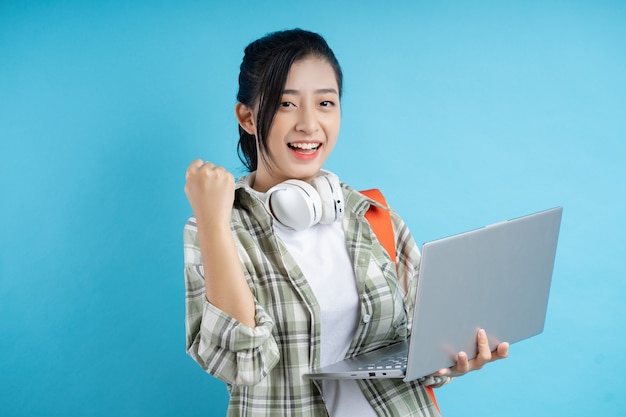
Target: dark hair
<point x="262" y="77"/>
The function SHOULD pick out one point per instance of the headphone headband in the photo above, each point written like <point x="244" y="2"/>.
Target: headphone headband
<point x="297" y="205"/>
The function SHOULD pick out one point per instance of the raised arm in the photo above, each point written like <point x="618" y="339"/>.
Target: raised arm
<point x="210" y="190"/>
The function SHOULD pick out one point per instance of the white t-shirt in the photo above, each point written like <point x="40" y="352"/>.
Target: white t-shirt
<point x="323" y="257"/>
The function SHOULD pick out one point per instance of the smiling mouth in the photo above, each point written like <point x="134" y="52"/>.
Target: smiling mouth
<point x="304" y="148"/>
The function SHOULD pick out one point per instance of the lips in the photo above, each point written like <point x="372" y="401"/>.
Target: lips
<point x="307" y="148"/>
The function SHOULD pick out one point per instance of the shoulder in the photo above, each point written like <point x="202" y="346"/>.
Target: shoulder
<point x="361" y="201"/>
<point x="356" y="201"/>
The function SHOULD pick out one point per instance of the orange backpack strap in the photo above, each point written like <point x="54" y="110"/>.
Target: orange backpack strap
<point x="380" y="220"/>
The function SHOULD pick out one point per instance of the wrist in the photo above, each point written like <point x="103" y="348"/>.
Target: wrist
<point x="212" y="226"/>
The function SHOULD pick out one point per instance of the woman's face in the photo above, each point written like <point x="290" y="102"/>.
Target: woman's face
<point x="306" y="126"/>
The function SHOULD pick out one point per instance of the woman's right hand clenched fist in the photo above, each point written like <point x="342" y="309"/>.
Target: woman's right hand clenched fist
<point x="210" y="190"/>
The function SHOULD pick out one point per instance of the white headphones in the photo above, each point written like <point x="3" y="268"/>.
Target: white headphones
<point x="298" y="205"/>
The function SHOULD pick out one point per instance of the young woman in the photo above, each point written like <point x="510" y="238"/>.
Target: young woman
<point x="283" y="273"/>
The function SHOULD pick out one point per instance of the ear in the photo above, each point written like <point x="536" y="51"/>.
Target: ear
<point x="246" y="118"/>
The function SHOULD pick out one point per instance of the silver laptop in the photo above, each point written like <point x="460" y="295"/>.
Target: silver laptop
<point x="496" y="278"/>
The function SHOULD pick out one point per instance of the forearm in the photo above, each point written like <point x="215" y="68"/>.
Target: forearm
<point x="225" y="282"/>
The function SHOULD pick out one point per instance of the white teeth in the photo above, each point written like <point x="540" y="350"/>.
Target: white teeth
<point x="304" y="145"/>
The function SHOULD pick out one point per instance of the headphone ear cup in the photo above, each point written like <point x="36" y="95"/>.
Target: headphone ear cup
<point x="295" y="204"/>
<point x="331" y="195"/>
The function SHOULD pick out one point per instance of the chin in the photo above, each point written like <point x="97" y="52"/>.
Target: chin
<point x="307" y="175"/>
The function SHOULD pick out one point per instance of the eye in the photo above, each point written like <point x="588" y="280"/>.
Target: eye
<point x="287" y="104"/>
<point x="327" y="103"/>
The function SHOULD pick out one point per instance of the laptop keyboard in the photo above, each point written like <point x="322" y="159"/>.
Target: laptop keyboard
<point x="392" y="362"/>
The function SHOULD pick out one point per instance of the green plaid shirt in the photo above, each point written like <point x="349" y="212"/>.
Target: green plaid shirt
<point x="263" y="367"/>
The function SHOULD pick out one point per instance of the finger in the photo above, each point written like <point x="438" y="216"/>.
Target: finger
<point x="461" y="367"/>
<point x="216" y="171"/>
<point x="502" y="351"/>
<point x="484" y="352"/>
<point x="462" y="364"/>
<point x="209" y="165"/>
<point x="220" y="174"/>
<point x="196" y="163"/>
<point x="451" y="372"/>
<point x="193" y="167"/>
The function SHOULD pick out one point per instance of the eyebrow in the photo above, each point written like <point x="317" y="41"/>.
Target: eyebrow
<point x="318" y="91"/>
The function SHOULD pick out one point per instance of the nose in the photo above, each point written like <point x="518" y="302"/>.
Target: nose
<point x="307" y="120"/>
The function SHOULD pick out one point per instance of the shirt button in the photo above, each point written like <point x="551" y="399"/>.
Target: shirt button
<point x="366" y="318"/>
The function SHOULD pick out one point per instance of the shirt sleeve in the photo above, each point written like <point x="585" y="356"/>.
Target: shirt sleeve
<point x="221" y="345"/>
<point x="408" y="260"/>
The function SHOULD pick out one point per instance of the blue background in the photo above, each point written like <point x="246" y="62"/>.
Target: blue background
<point x="463" y="113"/>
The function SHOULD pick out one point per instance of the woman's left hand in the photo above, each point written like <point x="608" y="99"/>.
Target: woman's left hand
<point x="484" y="356"/>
